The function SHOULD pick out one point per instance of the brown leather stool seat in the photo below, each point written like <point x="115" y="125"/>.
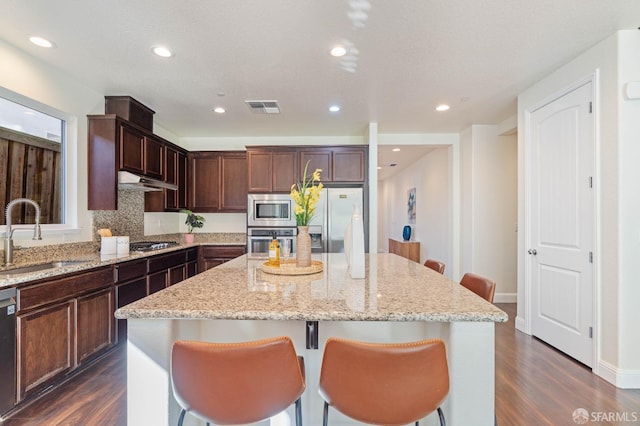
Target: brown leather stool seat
<point x="481" y="286"/>
<point x="384" y="383"/>
<point x="237" y="383"/>
<point x="435" y="265"/>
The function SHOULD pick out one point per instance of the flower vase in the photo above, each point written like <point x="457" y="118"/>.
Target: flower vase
<point x="189" y="238"/>
<point x="303" y="247"/>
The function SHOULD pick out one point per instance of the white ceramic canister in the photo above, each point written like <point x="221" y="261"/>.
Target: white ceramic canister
<point x="122" y="245"/>
<point x="108" y="245"/>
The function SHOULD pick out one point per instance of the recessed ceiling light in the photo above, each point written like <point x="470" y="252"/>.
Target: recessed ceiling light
<point x="379" y="167"/>
<point x="39" y="41"/>
<point x="338" y="51"/>
<point x="334" y="108"/>
<point x="162" y="51"/>
<point x="219" y="110"/>
<point x="443" y="107"/>
<point x="395" y="149"/>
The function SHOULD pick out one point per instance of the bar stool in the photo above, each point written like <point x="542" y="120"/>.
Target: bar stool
<point x="435" y="265"/>
<point x="481" y="286"/>
<point x="237" y="383"/>
<point x="384" y="383"/>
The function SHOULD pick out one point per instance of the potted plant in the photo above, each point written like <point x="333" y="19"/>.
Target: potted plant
<point x="193" y="221"/>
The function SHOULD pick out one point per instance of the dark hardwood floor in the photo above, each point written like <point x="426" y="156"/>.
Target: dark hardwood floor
<point x="535" y="385"/>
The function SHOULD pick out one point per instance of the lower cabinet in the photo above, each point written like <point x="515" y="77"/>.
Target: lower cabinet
<point x="94" y="323"/>
<point x="45" y="346"/>
<point x="62" y="323"/>
<point x="212" y="256"/>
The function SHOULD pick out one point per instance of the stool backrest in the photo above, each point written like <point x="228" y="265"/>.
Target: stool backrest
<point x="390" y="384"/>
<point x="235" y="383"/>
<point x="481" y="286"/>
<point x="435" y="265"/>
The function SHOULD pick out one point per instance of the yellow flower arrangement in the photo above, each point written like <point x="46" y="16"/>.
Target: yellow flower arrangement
<point x="305" y="195"/>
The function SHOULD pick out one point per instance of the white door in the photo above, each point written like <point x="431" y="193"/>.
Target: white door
<point x="561" y="226"/>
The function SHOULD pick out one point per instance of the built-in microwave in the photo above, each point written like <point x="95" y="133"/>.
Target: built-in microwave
<point x="270" y="210"/>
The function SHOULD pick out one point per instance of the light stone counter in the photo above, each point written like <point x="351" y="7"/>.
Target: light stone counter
<point x="398" y="301"/>
<point x="395" y="289"/>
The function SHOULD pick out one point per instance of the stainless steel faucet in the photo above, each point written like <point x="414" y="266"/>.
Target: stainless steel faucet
<point x="8" y="240"/>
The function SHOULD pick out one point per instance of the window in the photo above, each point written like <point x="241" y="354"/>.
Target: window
<point x="32" y="146"/>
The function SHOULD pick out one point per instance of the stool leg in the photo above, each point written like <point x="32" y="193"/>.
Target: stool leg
<point x="181" y="418"/>
<point x="441" y="415"/>
<point x="298" y="412"/>
<point x="325" y="414"/>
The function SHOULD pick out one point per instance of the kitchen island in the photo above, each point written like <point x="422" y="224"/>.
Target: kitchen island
<point x="399" y="300"/>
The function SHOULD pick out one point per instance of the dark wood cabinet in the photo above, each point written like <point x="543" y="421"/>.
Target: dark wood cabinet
<point x="153" y="157"/>
<point x="45" y="346"/>
<point x="338" y="164"/>
<point x="271" y="171"/>
<point x="94" y="323"/>
<point x="276" y="168"/>
<point x="214" y="255"/>
<point x="115" y="144"/>
<point x="218" y="181"/>
<point x="131" y="148"/>
<point x="61" y="323"/>
<point x="317" y="158"/>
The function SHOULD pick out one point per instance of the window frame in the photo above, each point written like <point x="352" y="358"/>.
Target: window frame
<point x="69" y="150"/>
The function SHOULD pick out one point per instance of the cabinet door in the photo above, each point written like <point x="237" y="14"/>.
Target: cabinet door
<point x="284" y="170"/>
<point x="45" y="346"/>
<point x="260" y="171"/>
<point x="157" y="281"/>
<point x="191" y="269"/>
<point x="170" y="176"/>
<point x="183" y="179"/>
<point x="127" y="293"/>
<point x="153" y="157"/>
<point x="176" y="274"/>
<point x="318" y="159"/>
<point x="94" y="323"/>
<point x="233" y="182"/>
<point x="349" y="165"/>
<point x="205" y="182"/>
<point x="131" y="149"/>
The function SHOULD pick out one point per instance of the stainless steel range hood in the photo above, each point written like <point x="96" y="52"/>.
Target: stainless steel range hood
<point x="130" y="181"/>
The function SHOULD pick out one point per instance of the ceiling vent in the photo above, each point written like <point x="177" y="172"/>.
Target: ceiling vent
<point x="263" y="107"/>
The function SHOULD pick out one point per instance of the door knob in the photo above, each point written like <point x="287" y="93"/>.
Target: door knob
<point x="532" y="251"/>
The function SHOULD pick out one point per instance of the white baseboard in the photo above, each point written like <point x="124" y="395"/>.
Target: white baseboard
<point x="505" y="298"/>
<point x="624" y="379"/>
<point x="521" y="325"/>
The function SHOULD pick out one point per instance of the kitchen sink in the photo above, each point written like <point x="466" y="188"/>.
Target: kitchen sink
<point x="40" y="267"/>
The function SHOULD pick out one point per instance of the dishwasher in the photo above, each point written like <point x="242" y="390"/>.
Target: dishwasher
<point x="7" y="349"/>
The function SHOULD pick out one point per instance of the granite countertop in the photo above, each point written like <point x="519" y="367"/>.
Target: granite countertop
<point x="86" y="256"/>
<point x="395" y="289"/>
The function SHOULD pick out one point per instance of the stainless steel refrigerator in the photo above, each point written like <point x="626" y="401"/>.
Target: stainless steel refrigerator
<point x="333" y="213"/>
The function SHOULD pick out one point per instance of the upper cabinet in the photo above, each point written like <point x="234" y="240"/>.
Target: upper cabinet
<point x="276" y="168"/>
<point x="271" y="170"/>
<point x="123" y="139"/>
<point x="218" y="181"/>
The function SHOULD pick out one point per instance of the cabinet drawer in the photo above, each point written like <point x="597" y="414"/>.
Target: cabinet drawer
<point x="130" y="270"/>
<point x="63" y="289"/>
<point x="166" y="261"/>
<point x="192" y="254"/>
<point x="223" y="251"/>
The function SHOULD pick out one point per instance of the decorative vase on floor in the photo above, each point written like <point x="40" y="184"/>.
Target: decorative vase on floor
<point x="406" y="233"/>
<point x="303" y="247"/>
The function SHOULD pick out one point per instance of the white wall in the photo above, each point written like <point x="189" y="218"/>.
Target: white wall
<point x="489" y="207"/>
<point x="434" y="209"/>
<point x="614" y="61"/>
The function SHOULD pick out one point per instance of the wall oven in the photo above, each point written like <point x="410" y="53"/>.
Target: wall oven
<point x="270" y="210"/>
<point x="258" y="240"/>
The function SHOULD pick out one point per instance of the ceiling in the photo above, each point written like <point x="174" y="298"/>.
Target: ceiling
<point x="405" y="58"/>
